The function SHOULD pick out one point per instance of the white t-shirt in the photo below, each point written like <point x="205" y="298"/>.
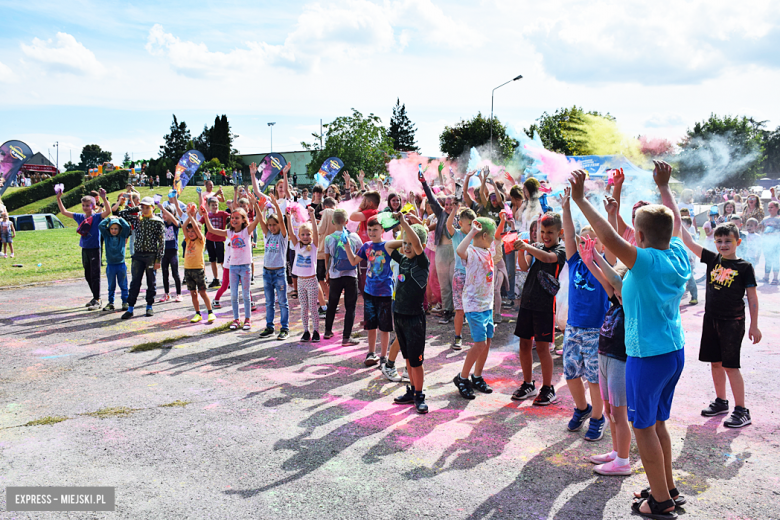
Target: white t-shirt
<point x="478" y="289"/>
<point x="305" y="263"/>
<point x="241" y="247"/>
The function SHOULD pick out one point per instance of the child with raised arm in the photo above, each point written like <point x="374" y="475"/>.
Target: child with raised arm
<point x="170" y="259"/>
<point x="588" y="304"/>
<point x="409" y="313"/>
<point x="115" y="234"/>
<point x="274" y="265"/>
<point x="306" y="246"/>
<point x="652" y="291"/>
<point x="536" y="317"/>
<point x="215" y="244"/>
<point x="378" y="291"/>
<point x="465" y="216"/>
<point x="612" y="360"/>
<point x="728" y="279"/>
<point x="475" y="250"/>
<point x="89" y="242"/>
<point x="239" y="236"/>
<point x="194" y="266"/>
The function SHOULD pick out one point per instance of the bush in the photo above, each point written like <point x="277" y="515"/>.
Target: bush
<point x="114" y="181"/>
<point x="42" y="190"/>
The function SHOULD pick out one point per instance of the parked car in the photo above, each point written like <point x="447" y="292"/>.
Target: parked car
<point x="36" y="222"/>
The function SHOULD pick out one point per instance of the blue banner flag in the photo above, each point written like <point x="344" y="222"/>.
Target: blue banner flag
<point x="328" y="171"/>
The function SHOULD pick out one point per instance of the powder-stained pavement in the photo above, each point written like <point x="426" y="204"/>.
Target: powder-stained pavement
<point x="293" y="430"/>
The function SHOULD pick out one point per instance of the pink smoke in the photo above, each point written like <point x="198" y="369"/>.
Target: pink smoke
<point x="654" y="146"/>
<point x="403" y="172"/>
<point x="556" y="166"/>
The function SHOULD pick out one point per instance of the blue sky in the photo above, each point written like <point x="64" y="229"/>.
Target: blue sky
<point x="112" y="73"/>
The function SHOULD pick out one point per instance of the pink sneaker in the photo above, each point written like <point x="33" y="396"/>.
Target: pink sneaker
<point x="612" y="469"/>
<point x="164" y="298"/>
<point x="602" y="459"/>
<point x="178" y="298"/>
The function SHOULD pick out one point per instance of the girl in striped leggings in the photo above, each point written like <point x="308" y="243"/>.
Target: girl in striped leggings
<point x="305" y="268"/>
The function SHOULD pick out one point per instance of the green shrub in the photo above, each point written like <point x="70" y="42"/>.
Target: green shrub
<point x="42" y="190"/>
<point x="113" y="181"/>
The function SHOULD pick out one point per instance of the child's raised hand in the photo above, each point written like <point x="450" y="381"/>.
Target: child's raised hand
<point x="577" y="181"/>
<point x="286" y="168"/>
<point x="610" y="205"/>
<point x="618" y="177"/>
<point x="272" y="197"/>
<point x="311" y="212"/>
<point x="476" y="225"/>
<point x="661" y="173"/>
<point x="565" y="198"/>
<point x="586" y="249"/>
<point x="361" y="175"/>
<point x="102" y="192"/>
<point x="253" y="168"/>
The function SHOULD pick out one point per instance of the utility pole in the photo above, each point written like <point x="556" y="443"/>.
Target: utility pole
<point x="320" y="133"/>
<point x="272" y="135"/>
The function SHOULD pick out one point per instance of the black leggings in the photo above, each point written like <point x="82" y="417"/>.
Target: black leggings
<point x="171" y="259"/>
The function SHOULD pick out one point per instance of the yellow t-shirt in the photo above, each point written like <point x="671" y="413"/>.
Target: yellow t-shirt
<point x="193" y="256"/>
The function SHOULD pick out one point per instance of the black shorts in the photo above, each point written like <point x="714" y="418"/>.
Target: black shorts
<point x="410" y="332"/>
<point x="538" y="325"/>
<point x="216" y="251"/>
<point x="322" y="271"/>
<point x="290" y="262"/>
<point x="721" y="341"/>
<point x="378" y="312"/>
<point x="195" y="279"/>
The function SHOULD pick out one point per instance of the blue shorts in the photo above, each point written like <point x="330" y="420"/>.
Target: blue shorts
<point x="650" y="384"/>
<point x="581" y="354"/>
<point x="480" y="325"/>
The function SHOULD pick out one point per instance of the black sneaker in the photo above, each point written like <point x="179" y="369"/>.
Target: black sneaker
<point x="371" y="359"/>
<point x="109" y="308"/>
<point x="149" y="311"/>
<point x="419" y="404"/>
<point x="125" y="306"/>
<point x="546" y="396"/>
<point x="717" y="407"/>
<point x="127" y="315"/>
<point x="306" y="336"/>
<point x="214" y="283"/>
<point x="252" y="281"/>
<point x="283" y="333"/>
<point x="268" y="331"/>
<point x="91" y="303"/>
<point x="322" y="312"/>
<point x="446" y="318"/>
<point x="464" y="387"/>
<point x="480" y="384"/>
<point x="315" y="337"/>
<point x="739" y="417"/>
<point x="407" y="398"/>
<point x="328" y="334"/>
<point x="526" y="391"/>
<point x="458" y="343"/>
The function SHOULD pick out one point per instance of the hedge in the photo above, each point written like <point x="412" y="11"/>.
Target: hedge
<point x="42" y="190"/>
<point x="114" y="181"/>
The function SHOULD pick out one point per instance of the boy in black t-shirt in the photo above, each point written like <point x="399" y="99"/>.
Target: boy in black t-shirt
<point x="408" y="313"/>
<point x="536" y="319"/>
<point x="728" y="278"/>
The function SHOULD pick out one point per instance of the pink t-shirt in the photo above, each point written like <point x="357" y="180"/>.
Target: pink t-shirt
<point x="305" y="263"/>
<point x="241" y="247"/>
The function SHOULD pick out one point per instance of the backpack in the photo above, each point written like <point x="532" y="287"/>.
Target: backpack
<point x="340" y="259"/>
<point x="85" y="227"/>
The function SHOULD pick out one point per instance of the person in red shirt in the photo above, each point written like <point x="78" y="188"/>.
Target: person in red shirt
<point x="215" y="244"/>
<point x="368" y="208"/>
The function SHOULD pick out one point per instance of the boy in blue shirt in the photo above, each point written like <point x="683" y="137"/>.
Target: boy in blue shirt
<point x="90" y="241"/>
<point x="115" y="232"/>
<point x="588" y="304"/>
<point x="378" y="291"/>
<point x="659" y="271"/>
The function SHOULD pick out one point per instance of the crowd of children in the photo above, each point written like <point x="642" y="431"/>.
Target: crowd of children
<point x="468" y="255"/>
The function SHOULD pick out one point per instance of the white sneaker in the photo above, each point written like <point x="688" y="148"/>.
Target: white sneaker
<point x="390" y="373"/>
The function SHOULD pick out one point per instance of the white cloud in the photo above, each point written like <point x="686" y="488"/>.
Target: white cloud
<point x="65" y="55"/>
<point x="6" y="74"/>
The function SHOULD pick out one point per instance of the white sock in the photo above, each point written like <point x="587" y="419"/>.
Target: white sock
<point x="620" y="462"/>
<point x="613" y="454"/>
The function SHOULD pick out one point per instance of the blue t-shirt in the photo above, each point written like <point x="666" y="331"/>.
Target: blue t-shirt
<point x="457" y="238"/>
<point x="379" y="275"/>
<point x="652" y="291"/>
<point x="91" y="241"/>
<point x="588" y="301"/>
<point x="171" y="236"/>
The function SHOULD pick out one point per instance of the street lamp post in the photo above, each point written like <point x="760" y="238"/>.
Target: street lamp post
<point x="57" y="145"/>
<point x="491" y="112"/>
<point x="272" y="135"/>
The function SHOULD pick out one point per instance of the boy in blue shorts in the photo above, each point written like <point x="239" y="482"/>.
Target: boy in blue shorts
<point x="652" y="290"/>
<point x="588" y="304"/>
<point x="378" y="291"/>
<point x="477" y="255"/>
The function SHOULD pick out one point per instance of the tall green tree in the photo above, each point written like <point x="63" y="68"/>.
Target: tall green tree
<point x="92" y="155"/>
<point x="456" y="141"/>
<point x="562" y="131"/>
<point x="360" y="141"/>
<point x="771" y="143"/>
<point x="126" y="161"/>
<point x="722" y="151"/>
<point x="402" y="129"/>
<point x="176" y="141"/>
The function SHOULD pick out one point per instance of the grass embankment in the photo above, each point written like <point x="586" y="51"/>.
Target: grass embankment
<point x="58" y="251"/>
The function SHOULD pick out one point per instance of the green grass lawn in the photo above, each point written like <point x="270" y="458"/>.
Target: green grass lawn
<point x="58" y="251"/>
